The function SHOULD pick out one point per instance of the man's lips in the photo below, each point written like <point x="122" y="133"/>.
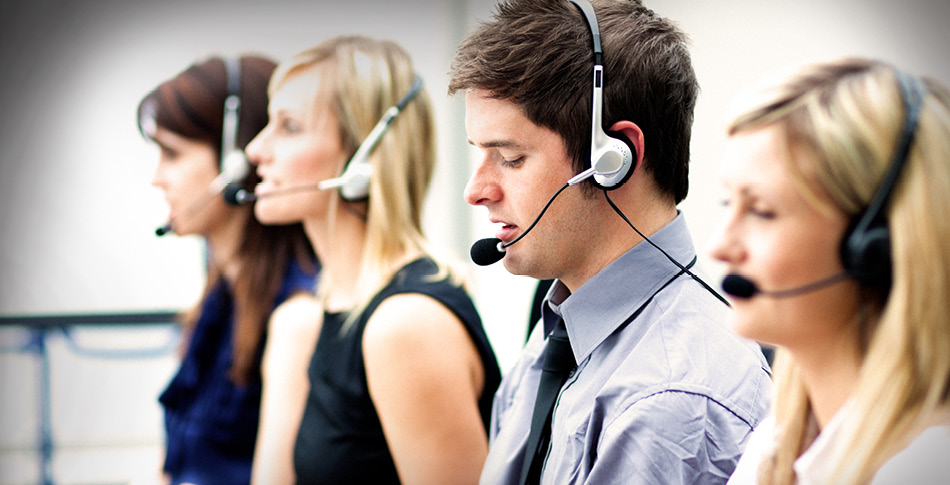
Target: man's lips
<point x="506" y="232"/>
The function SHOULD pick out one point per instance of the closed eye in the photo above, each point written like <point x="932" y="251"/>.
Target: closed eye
<point x="514" y="163"/>
<point x="290" y="126"/>
<point x="750" y="207"/>
<point x="167" y="152"/>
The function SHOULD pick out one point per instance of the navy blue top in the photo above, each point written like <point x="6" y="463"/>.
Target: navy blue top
<point x="340" y="438"/>
<point x="210" y="422"/>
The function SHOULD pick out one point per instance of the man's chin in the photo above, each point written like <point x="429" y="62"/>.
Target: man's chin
<point x="514" y="265"/>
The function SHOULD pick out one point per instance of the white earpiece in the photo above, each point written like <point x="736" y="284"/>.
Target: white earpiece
<point x="354" y="181"/>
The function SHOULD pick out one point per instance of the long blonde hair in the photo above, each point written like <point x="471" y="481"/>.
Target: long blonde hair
<point x="363" y="78"/>
<point x="849" y="113"/>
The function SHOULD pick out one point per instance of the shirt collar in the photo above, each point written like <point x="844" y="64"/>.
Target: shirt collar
<point x="605" y="301"/>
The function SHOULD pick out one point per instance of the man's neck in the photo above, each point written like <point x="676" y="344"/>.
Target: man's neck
<point x="647" y="216"/>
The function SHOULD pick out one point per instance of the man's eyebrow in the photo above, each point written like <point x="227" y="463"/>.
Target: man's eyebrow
<point x="495" y="144"/>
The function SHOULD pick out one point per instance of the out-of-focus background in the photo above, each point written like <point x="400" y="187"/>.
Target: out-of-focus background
<point x="78" y="214"/>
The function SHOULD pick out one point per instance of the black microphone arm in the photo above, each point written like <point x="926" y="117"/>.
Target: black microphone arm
<point x="742" y="287"/>
<point x="193" y="209"/>
<point x="161" y="231"/>
<point x="235" y="169"/>
<point x="235" y="195"/>
<point x="490" y="250"/>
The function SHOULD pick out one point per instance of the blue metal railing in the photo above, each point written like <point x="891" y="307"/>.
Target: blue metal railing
<point x="41" y="326"/>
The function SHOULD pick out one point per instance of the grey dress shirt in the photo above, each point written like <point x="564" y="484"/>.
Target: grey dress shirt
<point x="668" y="397"/>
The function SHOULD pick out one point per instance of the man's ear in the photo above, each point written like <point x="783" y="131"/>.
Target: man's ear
<point x="634" y="137"/>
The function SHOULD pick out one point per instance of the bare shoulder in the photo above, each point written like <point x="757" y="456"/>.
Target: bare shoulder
<point x="297" y="316"/>
<point x="411" y="318"/>
<point x="414" y="349"/>
<point x="412" y="333"/>
<point x="425" y="377"/>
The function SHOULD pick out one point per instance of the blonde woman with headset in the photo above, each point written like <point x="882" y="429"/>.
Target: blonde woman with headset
<point x="402" y="376"/>
<point x="838" y="182"/>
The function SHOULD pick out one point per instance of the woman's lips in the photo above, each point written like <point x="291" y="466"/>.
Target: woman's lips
<point x="264" y="188"/>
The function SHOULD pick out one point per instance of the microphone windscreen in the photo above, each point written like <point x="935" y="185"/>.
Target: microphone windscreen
<point x="485" y="251"/>
<point x="738" y="286"/>
<point x="232" y="193"/>
<point x="235" y="195"/>
<point x="161" y="231"/>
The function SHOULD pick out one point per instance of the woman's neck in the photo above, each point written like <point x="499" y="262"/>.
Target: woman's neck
<point x="830" y="374"/>
<point x="224" y="243"/>
<point x="339" y="245"/>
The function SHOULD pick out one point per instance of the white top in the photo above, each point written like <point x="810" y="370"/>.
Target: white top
<point x="925" y="461"/>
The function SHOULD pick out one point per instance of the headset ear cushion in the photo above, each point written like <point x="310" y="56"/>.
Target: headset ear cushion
<point x="620" y="142"/>
<point x="629" y="144"/>
<point x="866" y="256"/>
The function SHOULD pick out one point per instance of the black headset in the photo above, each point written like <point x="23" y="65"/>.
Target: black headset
<point x="866" y="246"/>
<point x="353" y="183"/>
<point x="612" y="155"/>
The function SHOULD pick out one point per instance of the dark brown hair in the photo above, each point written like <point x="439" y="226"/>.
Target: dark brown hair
<point x="191" y="104"/>
<point x="539" y="55"/>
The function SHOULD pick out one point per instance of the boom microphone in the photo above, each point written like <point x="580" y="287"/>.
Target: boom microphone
<point x="235" y="168"/>
<point x="235" y="195"/>
<point x="487" y="251"/>
<point x="490" y="250"/>
<point x="193" y="209"/>
<point x="742" y="287"/>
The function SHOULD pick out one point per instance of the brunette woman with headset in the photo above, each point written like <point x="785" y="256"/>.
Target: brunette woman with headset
<point x="256" y="275"/>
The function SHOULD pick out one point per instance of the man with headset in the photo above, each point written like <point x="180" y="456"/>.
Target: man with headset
<point x="633" y="376"/>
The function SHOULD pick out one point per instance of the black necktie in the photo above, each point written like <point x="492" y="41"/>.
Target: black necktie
<point x="558" y="363"/>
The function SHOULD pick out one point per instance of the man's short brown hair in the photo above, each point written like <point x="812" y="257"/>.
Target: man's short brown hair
<point x="538" y="54"/>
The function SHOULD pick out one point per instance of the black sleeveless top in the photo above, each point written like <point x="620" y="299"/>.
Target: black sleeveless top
<point x="340" y="439"/>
